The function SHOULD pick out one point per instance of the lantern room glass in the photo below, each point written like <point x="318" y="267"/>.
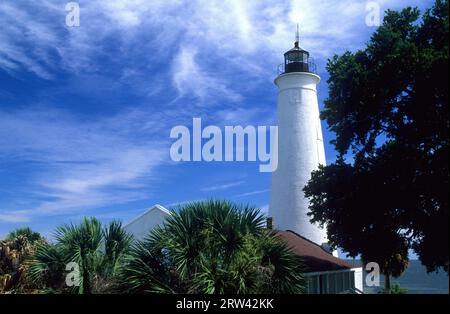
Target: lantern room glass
<point x="296" y="61"/>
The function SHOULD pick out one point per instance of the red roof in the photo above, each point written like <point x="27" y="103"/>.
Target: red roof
<point x="315" y="258"/>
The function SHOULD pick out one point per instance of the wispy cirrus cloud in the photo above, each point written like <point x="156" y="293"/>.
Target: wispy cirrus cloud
<point x="190" y="79"/>
<point x="78" y="164"/>
<point x="249" y="35"/>
<point x="251" y="193"/>
<point x="223" y="186"/>
<point x="27" y="43"/>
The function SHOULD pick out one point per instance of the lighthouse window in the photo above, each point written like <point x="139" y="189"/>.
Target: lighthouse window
<point x="294" y="57"/>
<point x="305" y="58"/>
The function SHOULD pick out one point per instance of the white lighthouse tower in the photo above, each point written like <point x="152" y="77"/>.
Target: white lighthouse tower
<point x="300" y="145"/>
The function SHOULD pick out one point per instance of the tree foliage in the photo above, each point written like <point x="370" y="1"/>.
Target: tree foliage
<point x="15" y="251"/>
<point x="97" y="251"/>
<point x="388" y="106"/>
<point x="26" y="232"/>
<point x="212" y="247"/>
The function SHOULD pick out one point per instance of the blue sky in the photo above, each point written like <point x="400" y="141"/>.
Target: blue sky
<point x="86" y="112"/>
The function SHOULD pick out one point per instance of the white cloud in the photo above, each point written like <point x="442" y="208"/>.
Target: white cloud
<point x="15" y="216"/>
<point x="251" y="193"/>
<point x="245" y="37"/>
<point x="224" y="186"/>
<point x="20" y="27"/>
<point x="264" y="209"/>
<point x="78" y="164"/>
<point x="190" y="78"/>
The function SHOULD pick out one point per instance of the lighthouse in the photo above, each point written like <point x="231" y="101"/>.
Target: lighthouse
<point x="300" y="144"/>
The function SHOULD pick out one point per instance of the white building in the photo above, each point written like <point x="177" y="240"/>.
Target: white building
<point x="300" y="145"/>
<point x="300" y="151"/>
<point x="140" y="227"/>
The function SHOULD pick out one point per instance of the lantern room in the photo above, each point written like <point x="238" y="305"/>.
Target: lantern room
<point x="296" y="60"/>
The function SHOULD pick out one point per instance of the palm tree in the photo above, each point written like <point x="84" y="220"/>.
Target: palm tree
<point x="212" y="247"/>
<point x="96" y="252"/>
<point x="15" y="250"/>
<point x="392" y="256"/>
<point x="26" y="232"/>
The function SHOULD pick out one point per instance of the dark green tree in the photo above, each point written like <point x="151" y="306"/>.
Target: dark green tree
<point x="213" y="247"/>
<point x="26" y="232"/>
<point x="388" y="106"/>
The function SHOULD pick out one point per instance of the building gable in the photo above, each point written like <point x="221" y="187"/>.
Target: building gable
<point x="141" y="226"/>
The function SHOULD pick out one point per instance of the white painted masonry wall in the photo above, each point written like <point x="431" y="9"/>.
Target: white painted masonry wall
<point x="335" y="281"/>
<point x="142" y="225"/>
<point x="359" y="278"/>
<point x="300" y="150"/>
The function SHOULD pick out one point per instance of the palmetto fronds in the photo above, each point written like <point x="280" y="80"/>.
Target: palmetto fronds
<point x="95" y="250"/>
<point x="212" y="247"/>
<point x="26" y="232"/>
<point x="116" y="243"/>
<point x="47" y="266"/>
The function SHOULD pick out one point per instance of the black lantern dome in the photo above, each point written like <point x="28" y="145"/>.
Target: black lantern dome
<point x="297" y="59"/>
